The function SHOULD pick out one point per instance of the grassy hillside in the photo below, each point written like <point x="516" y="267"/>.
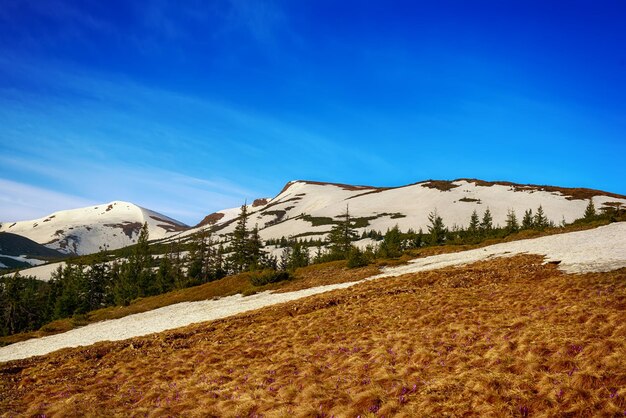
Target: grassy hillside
<point x="310" y="276"/>
<point x="505" y="337"/>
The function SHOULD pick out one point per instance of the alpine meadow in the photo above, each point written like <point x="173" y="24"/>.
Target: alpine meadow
<point x="312" y="209"/>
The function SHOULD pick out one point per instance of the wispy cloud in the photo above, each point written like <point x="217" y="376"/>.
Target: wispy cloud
<point x="108" y="138"/>
<point x="23" y="201"/>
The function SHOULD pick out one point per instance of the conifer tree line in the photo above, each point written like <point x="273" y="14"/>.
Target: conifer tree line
<point x="76" y="288"/>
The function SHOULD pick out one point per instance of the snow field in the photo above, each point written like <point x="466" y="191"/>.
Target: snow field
<point x="595" y="250"/>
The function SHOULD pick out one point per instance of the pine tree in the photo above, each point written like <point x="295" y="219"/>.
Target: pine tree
<point x="436" y="229"/>
<point x="164" y="281"/>
<point x="239" y="247"/>
<point x="99" y="287"/>
<point x="294" y="256"/>
<point x="341" y="236"/>
<point x="12" y="304"/>
<point x="300" y="256"/>
<point x="178" y="276"/>
<point x="72" y="290"/>
<point x="356" y="257"/>
<point x="418" y="239"/>
<point x="125" y="285"/>
<point x="134" y="278"/>
<point x="255" y="250"/>
<point x="141" y="263"/>
<point x="392" y="243"/>
<point x="220" y="266"/>
<point x="541" y="221"/>
<point x="318" y="253"/>
<point x="83" y="286"/>
<point x="528" y="221"/>
<point x="196" y="258"/>
<point x="590" y="211"/>
<point x="474" y="224"/>
<point x="511" y="222"/>
<point x="486" y="225"/>
<point x="22" y="303"/>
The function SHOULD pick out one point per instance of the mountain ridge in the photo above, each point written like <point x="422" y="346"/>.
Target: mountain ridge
<point x="308" y="208"/>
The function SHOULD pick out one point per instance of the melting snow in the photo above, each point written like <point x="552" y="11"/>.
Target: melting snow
<point x="24" y="259"/>
<point x="600" y="249"/>
<point x="595" y="250"/>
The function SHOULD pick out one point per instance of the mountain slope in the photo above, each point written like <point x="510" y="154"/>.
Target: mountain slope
<point x="601" y="249"/>
<point x="493" y="338"/>
<point x="85" y="230"/>
<point x="18" y="251"/>
<point x="307" y="208"/>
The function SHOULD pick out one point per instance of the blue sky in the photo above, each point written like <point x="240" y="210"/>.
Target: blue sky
<point x="190" y="107"/>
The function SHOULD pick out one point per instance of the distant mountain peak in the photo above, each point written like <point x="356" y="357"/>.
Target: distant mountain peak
<point x="85" y="230"/>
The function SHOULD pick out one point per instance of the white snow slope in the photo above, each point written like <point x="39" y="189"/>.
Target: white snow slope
<point x="600" y="249"/>
<point x="306" y="208"/>
<point x="407" y="206"/>
<point x="85" y="230"/>
<point x="42" y="272"/>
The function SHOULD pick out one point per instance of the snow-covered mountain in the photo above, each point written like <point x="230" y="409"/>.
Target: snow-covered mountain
<point x="85" y="230"/>
<point x="308" y="208"/>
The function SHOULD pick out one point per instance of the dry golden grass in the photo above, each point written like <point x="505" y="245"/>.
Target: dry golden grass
<point x="310" y="276"/>
<point x="306" y="277"/>
<point x="505" y="337"/>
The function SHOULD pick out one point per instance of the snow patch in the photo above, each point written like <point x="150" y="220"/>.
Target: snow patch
<point x="25" y="259"/>
<point x="600" y="249"/>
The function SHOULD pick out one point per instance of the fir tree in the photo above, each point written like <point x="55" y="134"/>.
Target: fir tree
<point x="164" y="281"/>
<point x="418" y="239"/>
<point x="22" y="303"/>
<point x="134" y="278"/>
<point x="436" y="229"/>
<point x="474" y="224"/>
<point x="125" y="285"/>
<point x="511" y="222"/>
<point x="239" y="247"/>
<point x="178" y="275"/>
<point x="220" y="266"/>
<point x="141" y="264"/>
<point x="540" y="221"/>
<point x="341" y="236"/>
<point x="294" y="256"/>
<point x="299" y="256"/>
<point x="72" y="290"/>
<point x="197" y="258"/>
<point x="318" y="253"/>
<point x="255" y="250"/>
<point x="486" y="225"/>
<point x="356" y="257"/>
<point x="528" y="221"/>
<point x="98" y="285"/>
<point x="392" y="243"/>
<point x="590" y="211"/>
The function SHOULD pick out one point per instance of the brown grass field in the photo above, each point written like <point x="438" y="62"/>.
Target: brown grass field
<point x="310" y="276"/>
<point x="503" y="337"/>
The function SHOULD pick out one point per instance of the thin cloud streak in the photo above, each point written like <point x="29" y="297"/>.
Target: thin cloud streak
<point x="72" y="145"/>
<point x="23" y="201"/>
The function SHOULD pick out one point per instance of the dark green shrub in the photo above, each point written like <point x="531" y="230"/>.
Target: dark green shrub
<point x="263" y="277"/>
<point x="357" y="258"/>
